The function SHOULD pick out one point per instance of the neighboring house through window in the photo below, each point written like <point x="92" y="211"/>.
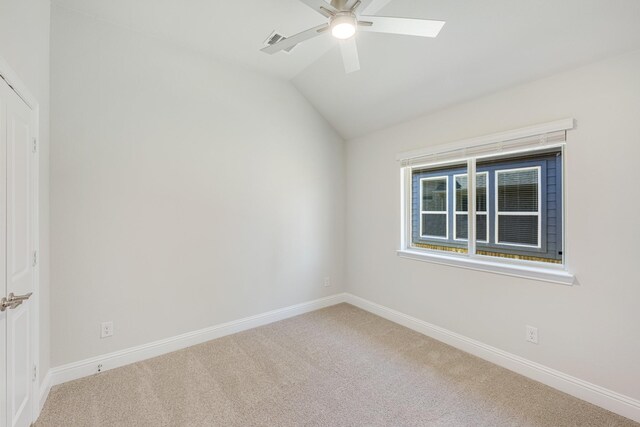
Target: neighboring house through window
<point x="518" y="200"/>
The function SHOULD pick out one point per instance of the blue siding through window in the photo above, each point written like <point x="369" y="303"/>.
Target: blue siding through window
<point x="551" y="207"/>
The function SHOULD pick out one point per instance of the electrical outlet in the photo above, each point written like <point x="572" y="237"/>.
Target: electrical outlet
<point x="99" y="367"/>
<point x="532" y="334"/>
<point x="327" y="282"/>
<point x="106" y="329"/>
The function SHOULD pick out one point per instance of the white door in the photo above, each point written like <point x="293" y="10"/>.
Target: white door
<point x="3" y="241"/>
<point x="16" y="256"/>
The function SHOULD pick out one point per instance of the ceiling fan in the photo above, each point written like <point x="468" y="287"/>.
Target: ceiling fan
<point x="344" y="22"/>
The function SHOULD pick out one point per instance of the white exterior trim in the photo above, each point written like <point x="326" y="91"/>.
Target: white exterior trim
<point x="455" y="205"/>
<point x="445" y="212"/>
<point x="592" y="393"/>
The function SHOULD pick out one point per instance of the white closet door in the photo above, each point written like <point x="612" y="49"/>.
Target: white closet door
<point x="4" y="418"/>
<point x="19" y="258"/>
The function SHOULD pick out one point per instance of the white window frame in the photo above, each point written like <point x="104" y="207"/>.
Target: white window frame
<point x="455" y="206"/>
<point x="445" y="212"/>
<point x="538" y="169"/>
<point x="529" y="139"/>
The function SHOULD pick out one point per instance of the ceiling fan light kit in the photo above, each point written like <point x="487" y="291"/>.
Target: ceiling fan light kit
<point x="344" y="23"/>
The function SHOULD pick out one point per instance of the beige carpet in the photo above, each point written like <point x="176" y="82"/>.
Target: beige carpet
<point x="339" y="366"/>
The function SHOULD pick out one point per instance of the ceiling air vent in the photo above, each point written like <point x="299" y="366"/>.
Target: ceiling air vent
<point x="274" y="38"/>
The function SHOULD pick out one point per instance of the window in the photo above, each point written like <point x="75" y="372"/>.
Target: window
<point x="512" y="207"/>
<point x="516" y="190"/>
<point x="518" y="215"/>
<point x="462" y="207"/>
<point x="434" y="215"/>
<point x="436" y="205"/>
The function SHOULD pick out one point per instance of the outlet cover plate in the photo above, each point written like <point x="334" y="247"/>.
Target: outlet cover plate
<point x="532" y="334"/>
<point x="106" y="329"/>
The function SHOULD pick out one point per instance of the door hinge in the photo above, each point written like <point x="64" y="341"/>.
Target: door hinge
<point x="35" y="373"/>
<point x="35" y="145"/>
<point x="35" y="258"/>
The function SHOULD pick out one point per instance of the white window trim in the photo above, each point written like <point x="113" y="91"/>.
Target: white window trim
<point x="547" y="273"/>
<point x="445" y="212"/>
<point x="553" y="273"/>
<point x="538" y="213"/>
<point x="455" y="206"/>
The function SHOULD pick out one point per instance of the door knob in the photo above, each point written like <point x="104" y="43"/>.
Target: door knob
<point x="13" y="301"/>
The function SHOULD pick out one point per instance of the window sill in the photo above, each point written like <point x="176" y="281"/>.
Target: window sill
<point x="553" y="274"/>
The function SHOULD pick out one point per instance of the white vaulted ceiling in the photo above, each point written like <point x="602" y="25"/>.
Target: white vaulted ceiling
<point x="485" y="46"/>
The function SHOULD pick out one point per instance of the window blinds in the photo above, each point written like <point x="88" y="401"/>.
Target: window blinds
<point x="531" y="138"/>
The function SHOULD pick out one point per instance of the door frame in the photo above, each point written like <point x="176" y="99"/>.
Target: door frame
<point x="12" y="79"/>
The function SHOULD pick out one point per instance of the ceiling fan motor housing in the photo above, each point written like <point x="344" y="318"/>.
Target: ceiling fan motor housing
<point x="339" y="4"/>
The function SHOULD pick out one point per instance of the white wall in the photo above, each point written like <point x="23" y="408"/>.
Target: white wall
<point x="24" y="44"/>
<point x="589" y="330"/>
<point x="185" y="192"/>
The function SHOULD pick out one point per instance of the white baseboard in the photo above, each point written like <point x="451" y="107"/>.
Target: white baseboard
<point x="83" y="368"/>
<point x="45" y="388"/>
<point x="600" y="396"/>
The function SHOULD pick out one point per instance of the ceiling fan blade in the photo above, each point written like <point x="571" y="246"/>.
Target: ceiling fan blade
<point x="405" y="26"/>
<point x="294" y="40"/>
<point x="372" y="6"/>
<point x="321" y="6"/>
<point x="349" y="50"/>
